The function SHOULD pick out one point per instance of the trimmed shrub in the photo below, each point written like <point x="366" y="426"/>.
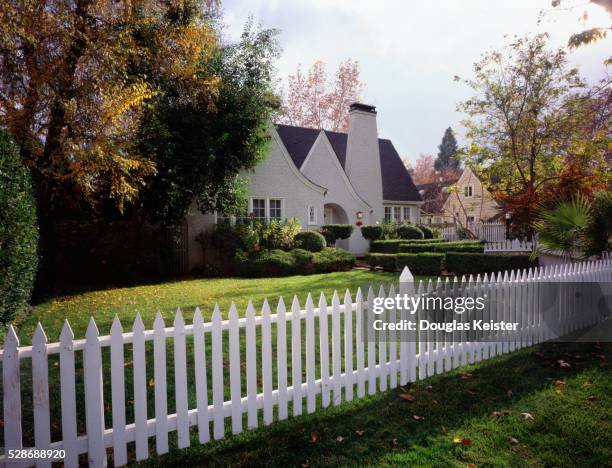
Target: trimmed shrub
<point x="427" y="232"/>
<point x="385" y="261"/>
<point x="462" y="263"/>
<point x="329" y="260"/>
<point x="310" y="240"/>
<point x="472" y="247"/>
<point x="423" y="241"/>
<point x="421" y="263"/>
<point x="18" y="232"/>
<point x="372" y="233"/>
<point x="408" y="231"/>
<point x="385" y="246"/>
<point x="303" y="258"/>
<point x="417" y="248"/>
<point x="333" y="232"/>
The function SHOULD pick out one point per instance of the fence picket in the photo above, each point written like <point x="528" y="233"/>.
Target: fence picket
<point x="382" y="345"/>
<point x="371" y="344"/>
<point x="235" y="386"/>
<point x="68" y="397"/>
<point x="422" y="335"/>
<point x="118" y="392"/>
<point x="217" y="375"/>
<point x="348" y="345"/>
<point x="392" y="344"/>
<point x="281" y="358"/>
<point x="359" y="337"/>
<point x="336" y="350"/>
<point x="324" y="350"/>
<point x="199" y="357"/>
<point x="296" y="357"/>
<point x="180" y="380"/>
<point x="159" y="377"/>
<point x="139" y="368"/>
<point x="266" y="358"/>
<point x="40" y="392"/>
<point x="94" y="397"/>
<point x="251" y="363"/>
<point x="310" y="357"/>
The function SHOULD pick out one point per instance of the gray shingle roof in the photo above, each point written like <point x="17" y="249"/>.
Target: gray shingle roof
<point x="396" y="181"/>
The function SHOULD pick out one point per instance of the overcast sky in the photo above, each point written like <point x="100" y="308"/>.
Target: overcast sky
<point x="410" y="50"/>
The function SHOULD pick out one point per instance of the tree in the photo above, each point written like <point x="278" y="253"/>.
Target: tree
<point x="447" y="154"/>
<point x="200" y="146"/>
<point x="424" y="171"/>
<point x="587" y="36"/>
<point x="73" y="89"/>
<point x="315" y="101"/>
<point x="18" y="232"/>
<point x="531" y="115"/>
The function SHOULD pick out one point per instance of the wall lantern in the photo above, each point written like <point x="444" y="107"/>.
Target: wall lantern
<point x="359" y="214"/>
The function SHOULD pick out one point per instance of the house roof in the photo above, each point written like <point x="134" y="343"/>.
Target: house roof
<point x="396" y="181"/>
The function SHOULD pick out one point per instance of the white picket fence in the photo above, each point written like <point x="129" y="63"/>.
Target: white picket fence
<point x="490" y="232"/>
<point x="514" y="245"/>
<point x="359" y="364"/>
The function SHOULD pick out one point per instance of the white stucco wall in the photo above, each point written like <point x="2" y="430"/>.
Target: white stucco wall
<point x="322" y="167"/>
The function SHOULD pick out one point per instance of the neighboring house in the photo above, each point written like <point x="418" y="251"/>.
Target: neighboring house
<point x="323" y="177"/>
<point x="470" y="202"/>
<point x="434" y="196"/>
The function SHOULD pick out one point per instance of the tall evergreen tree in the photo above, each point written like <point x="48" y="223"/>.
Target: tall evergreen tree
<point x="447" y="154"/>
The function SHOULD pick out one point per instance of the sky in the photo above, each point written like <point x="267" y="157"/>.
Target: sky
<point x="410" y="50"/>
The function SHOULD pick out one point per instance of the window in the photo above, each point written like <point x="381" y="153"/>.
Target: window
<point x="397" y="213"/>
<point x="470" y="219"/>
<point x="407" y="213"/>
<point x="275" y="209"/>
<point x="388" y="214"/>
<point x="312" y="214"/>
<point x="259" y="207"/>
<point x="468" y="191"/>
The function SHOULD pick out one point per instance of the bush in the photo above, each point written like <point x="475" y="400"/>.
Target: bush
<point x="333" y="232"/>
<point x="423" y="241"/>
<point x="310" y="240"/>
<point x="421" y="263"/>
<point x="293" y="262"/>
<point x="329" y="260"/>
<point x="372" y="233"/>
<point x="417" y="248"/>
<point x="389" y="230"/>
<point x="427" y="232"/>
<point x="462" y="263"/>
<point x="385" y="261"/>
<point x="18" y="232"/>
<point x="385" y="246"/>
<point x="465" y="246"/>
<point x="408" y="231"/>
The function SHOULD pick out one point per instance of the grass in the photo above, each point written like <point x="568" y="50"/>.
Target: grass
<point x="568" y="422"/>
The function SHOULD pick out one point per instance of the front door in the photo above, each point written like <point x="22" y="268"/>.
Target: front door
<point x="328" y="215"/>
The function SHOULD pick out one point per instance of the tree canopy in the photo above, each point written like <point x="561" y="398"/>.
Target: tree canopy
<point x="447" y="152"/>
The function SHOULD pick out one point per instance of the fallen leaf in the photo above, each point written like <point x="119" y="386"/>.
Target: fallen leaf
<point x="456" y="440"/>
<point x="471" y="465"/>
<point x="472" y="392"/>
<point x="151" y="382"/>
<point x="305" y="465"/>
<point x="407" y="396"/>
<point x="467" y="375"/>
<point x="339" y="439"/>
<point x="443" y="429"/>
<point x="314" y="437"/>
<point x="512" y="440"/>
<point x="435" y="402"/>
<point x="559" y="382"/>
<point x="558" y="392"/>
<point x="466" y="442"/>
<point x="499" y="414"/>
<point x="592" y="398"/>
<point x="509" y="393"/>
<point x="429" y="388"/>
<point x="563" y="364"/>
<point x="527" y="415"/>
<point x="359" y="432"/>
<point x="417" y="418"/>
<point x="394" y="442"/>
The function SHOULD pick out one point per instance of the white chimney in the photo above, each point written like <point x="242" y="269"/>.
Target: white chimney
<point x="362" y="164"/>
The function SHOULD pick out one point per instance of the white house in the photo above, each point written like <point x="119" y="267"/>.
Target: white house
<point x="323" y="177"/>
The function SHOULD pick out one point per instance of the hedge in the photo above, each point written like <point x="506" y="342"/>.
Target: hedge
<point x="421" y="263"/>
<point x="386" y="261"/>
<point x="18" y="232"/>
<point x="333" y="232"/>
<point x="442" y="247"/>
<point x="295" y="262"/>
<point x="310" y="240"/>
<point x="371" y="233"/>
<point x="424" y="241"/>
<point x="462" y="263"/>
<point x="386" y="246"/>
<point x="408" y="231"/>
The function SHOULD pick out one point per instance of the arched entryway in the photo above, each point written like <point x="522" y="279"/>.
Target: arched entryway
<point x="335" y="214"/>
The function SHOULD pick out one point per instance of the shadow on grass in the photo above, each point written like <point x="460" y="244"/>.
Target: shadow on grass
<point x="382" y="427"/>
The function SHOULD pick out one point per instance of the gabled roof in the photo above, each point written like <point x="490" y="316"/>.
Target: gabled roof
<point x="396" y="181"/>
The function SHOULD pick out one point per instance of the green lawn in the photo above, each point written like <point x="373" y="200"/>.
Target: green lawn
<point x="566" y="421"/>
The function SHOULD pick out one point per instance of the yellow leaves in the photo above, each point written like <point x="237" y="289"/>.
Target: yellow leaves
<point x="122" y="98"/>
